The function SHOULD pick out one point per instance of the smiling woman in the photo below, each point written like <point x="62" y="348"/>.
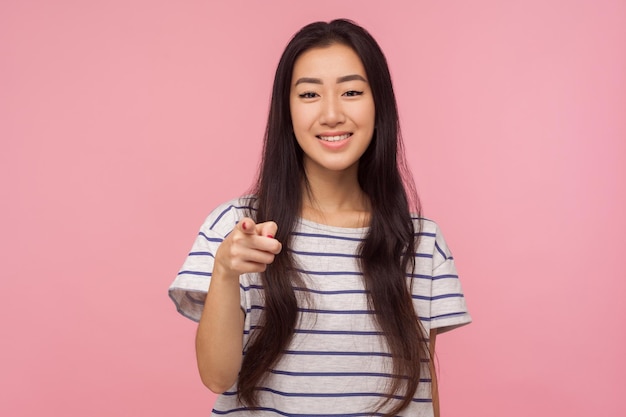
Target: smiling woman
<point x="325" y="283"/>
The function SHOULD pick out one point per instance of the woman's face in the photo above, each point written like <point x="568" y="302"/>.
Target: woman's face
<point x="332" y="109"/>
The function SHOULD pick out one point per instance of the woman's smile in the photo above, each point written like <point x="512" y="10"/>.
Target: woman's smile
<point x="334" y="138"/>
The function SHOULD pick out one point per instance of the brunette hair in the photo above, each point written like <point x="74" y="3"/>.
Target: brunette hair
<point x="388" y="249"/>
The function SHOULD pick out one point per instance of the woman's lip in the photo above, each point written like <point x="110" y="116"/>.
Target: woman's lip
<point x="335" y="144"/>
<point x="338" y="133"/>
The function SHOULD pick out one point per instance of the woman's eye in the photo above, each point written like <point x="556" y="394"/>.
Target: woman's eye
<point x="352" y="93"/>
<point x="308" y="94"/>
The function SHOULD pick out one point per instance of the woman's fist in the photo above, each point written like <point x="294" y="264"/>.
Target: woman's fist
<point x="248" y="248"/>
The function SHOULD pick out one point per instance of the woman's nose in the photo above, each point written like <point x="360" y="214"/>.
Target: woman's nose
<point x="331" y="112"/>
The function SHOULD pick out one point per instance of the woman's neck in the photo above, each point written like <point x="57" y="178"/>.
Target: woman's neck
<point x="335" y="200"/>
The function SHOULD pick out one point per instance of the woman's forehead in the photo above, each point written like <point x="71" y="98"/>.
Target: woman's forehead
<point x="328" y="63"/>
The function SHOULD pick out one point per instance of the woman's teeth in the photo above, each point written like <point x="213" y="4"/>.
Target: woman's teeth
<point x="335" y="138"/>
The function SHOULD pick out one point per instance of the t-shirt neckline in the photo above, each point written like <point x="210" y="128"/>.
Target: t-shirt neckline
<point x="334" y="229"/>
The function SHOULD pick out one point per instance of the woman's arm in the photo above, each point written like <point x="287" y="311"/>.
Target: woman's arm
<point x="433" y="373"/>
<point x="219" y="334"/>
<point x="219" y="339"/>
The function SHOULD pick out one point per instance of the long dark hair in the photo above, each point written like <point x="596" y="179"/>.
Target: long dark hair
<point x="388" y="249"/>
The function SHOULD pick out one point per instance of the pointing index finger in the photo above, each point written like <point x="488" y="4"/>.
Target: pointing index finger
<point x="247" y="225"/>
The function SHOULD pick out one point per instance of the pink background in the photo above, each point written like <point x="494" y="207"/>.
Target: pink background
<point x="123" y="123"/>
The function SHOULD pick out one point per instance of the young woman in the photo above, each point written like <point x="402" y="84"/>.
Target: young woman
<point x="321" y="293"/>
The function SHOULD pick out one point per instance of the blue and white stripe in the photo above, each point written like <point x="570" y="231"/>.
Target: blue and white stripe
<point x="337" y="363"/>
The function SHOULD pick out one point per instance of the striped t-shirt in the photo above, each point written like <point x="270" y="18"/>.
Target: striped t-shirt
<point x="337" y="363"/>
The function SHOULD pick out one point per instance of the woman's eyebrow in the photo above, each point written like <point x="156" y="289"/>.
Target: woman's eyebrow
<point x="308" y="80"/>
<point x="351" y="77"/>
<point x="345" y="78"/>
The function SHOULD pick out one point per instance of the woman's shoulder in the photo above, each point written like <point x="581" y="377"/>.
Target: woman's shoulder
<point x="245" y="202"/>
<point x="424" y="225"/>
<point x="225" y="216"/>
<point x="431" y="238"/>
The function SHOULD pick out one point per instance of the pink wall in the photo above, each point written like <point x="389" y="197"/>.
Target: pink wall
<point x="123" y="123"/>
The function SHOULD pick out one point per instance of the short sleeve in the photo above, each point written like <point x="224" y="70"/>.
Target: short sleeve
<point x="188" y="291"/>
<point x="448" y="309"/>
